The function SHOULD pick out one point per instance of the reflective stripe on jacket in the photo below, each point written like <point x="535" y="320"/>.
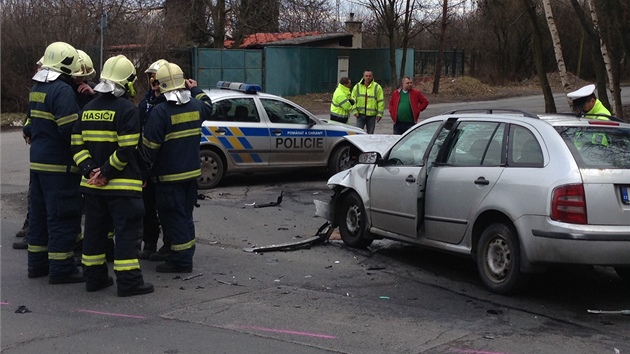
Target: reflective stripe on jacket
<point x="369" y="100"/>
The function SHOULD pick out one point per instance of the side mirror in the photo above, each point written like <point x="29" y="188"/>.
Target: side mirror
<point x="370" y="158"/>
<point x="311" y="122"/>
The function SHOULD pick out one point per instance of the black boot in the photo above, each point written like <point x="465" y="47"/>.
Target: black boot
<point x="21" y="245"/>
<point x="162" y="254"/>
<point x="145" y="288"/>
<point x="68" y="279"/>
<point x="96" y="286"/>
<point x="148" y="250"/>
<point x="23" y="231"/>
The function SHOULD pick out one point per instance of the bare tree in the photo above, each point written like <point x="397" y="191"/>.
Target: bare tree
<point x="438" y="64"/>
<point x="557" y="47"/>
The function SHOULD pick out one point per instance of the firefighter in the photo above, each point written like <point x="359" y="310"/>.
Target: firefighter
<point x="55" y="198"/>
<point x="104" y="143"/>
<point x="151" y="232"/>
<point x="171" y="144"/>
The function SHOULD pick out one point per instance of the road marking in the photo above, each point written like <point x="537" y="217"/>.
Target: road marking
<point x="264" y="329"/>
<point x="111" y="314"/>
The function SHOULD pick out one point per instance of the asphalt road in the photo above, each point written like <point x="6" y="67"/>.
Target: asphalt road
<point x="390" y="298"/>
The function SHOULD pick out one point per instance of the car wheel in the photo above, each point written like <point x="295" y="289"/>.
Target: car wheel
<point x="499" y="260"/>
<point x="340" y="159"/>
<point x="623" y="273"/>
<point x="211" y="169"/>
<point x="353" y="223"/>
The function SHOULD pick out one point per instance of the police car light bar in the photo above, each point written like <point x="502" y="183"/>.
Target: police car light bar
<point x="239" y="86"/>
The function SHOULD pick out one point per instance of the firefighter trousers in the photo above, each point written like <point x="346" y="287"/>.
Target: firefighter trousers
<point x="125" y="214"/>
<point x="54" y="209"/>
<point x="175" y="204"/>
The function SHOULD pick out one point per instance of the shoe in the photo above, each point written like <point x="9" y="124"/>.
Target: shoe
<point x="145" y="288"/>
<point x="162" y="254"/>
<point x="22" y="232"/>
<point x="69" y="279"/>
<point x="91" y="287"/>
<point x="37" y="273"/>
<point x="20" y="245"/>
<point x="148" y="250"/>
<point x="170" y="268"/>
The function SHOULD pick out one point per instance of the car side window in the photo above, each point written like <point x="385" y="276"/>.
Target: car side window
<point x="477" y="144"/>
<point x="410" y="150"/>
<point x="235" y="110"/>
<point x="524" y="149"/>
<point x="284" y="113"/>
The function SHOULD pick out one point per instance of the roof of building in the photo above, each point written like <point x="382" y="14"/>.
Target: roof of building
<point x="258" y="40"/>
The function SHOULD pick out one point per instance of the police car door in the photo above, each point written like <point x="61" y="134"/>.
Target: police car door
<point x="294" y="137"/>
<point x="237" y="128"/>
<point x="397" y="185"/>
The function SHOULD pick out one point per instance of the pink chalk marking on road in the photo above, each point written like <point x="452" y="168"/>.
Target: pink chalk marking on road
<point x="472" y="351"/>
<point x="3" y="303"/>
<point x="111" y="314"/>
<point x="264" y="329"/>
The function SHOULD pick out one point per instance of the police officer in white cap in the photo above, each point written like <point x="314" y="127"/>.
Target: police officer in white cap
<point x="585" y="102"/>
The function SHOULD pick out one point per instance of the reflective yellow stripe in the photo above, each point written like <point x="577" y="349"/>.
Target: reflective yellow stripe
<point x="106" y="136"/>
<point x="126" y="264"/>
<point x="37" y="97"/>
<point x="67" y="119"/>
<point x="128" y="140"/>
<point x="81" y="156"/>
<point x="41" y="114"/>
<point x="182" y="134"/>
<point x="119" y="184"/>
<point x="45" y="167"/>
<point x="60" y="256"/>
<point x="150" y="144"/>
<point x="185" y="117"/>
<point x="180" y="176"/>
<point x="116" y="163"/>
<point x="95" y="260"/>
<point x="76" y="139"/>
<point x="33" y="248"/>
<point x="183" y="246"/>
<point x="111" y="234"/>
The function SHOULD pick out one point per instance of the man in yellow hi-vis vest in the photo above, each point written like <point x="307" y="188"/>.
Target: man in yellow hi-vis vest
<point x="369" y="102"/>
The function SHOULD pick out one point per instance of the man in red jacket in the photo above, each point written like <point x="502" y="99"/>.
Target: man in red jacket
<point x="405" y="106"/>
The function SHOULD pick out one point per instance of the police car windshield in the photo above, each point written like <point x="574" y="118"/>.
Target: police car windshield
<point x="598" y="146"/>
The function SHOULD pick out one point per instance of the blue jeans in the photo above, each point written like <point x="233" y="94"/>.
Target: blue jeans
<point x="401" y="127"/>
<point x="369" y="122"/>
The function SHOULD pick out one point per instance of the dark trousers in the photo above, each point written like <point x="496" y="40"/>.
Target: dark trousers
<point x="401" y="127"/>
<point x="175" y="204"/>
<point x="125" y="214"/>
<point x="54" y="209"/>
<point x="339" y="119"/>
<point x="151" y="221"/>
<point x="367" y="122"/>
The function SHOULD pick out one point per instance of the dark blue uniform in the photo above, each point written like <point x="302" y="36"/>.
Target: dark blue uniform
<point x="55" y="199"/>
<point x="171" y="144"/>
<point x="106" y="137"/>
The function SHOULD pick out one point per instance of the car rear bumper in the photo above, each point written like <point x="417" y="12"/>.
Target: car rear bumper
<point x="548" y="241"/>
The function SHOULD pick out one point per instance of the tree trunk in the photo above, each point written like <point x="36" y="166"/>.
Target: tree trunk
<point x="557" y="48"/>
<point x="438" y="65"/>
<point x="550" y="104"/>
<point x="611" y="80"/>
<point x="409" y="6"/>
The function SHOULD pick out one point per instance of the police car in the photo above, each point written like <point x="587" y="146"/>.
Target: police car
<point x="251" y="131"/>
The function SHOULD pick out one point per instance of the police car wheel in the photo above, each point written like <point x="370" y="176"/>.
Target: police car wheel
<point x="340" y="159"/>
<point x="212" y="169"/>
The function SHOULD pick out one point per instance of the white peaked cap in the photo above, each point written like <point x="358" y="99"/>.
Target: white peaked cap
<point x="582" y="92"/>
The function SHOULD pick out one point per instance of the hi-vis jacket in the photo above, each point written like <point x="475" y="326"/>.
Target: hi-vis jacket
<point x="340" y="105"/>
<point x="598" y="108"/>
<point x="170" y="142"/>
<point x="52" y="112"/>
<point x="369" y="100"/>
<point x="106" y="136"/>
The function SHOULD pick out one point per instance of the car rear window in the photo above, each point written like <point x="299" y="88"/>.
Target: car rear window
<point x="598" y="146"/>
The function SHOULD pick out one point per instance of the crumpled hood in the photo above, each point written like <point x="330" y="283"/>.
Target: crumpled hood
<point x="373" y="142"/>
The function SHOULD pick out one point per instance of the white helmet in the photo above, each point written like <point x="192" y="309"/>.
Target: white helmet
<point x="87" y="67"/>
<point x="171" y="77"/>
<point x="153" y="68"/>
<point x="61" y="57"/>
<point x="117" y="77"/>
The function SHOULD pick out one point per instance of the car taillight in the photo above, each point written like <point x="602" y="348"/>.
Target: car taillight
<point x="568" y="204"/>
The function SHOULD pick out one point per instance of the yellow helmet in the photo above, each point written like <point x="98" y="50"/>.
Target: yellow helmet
<point x="119" y="70"/>
<point x="170" y="77"/>
<point x="153" y="68"/>
<point x="87" y="67"/>
<point x="61" y="57"/>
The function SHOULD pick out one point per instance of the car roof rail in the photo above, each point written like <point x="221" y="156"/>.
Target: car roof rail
<point x="591" y="116"/>
<point x="493" y="110"/>
<point x="239" y="86"/>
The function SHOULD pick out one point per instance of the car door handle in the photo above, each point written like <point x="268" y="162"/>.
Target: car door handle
<point x="276" y="132"/>
<point x="410" y="179"/>
<point x="220" y="131"/>
<point x="482" y="180"/>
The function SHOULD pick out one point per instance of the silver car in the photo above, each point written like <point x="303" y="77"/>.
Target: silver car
<point x="250" y="131"/>
<point x="516" y="192"/>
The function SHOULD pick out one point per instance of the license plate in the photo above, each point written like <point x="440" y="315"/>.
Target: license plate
<point x="625" y="195"/>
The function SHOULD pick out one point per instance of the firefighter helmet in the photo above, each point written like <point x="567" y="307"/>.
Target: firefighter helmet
<point x="61" y="57"/>
<point x="171" y="77"/>
<point x="153" y="68"/>
<point x="87" y="67"/>
<point x="119" y="70"/>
